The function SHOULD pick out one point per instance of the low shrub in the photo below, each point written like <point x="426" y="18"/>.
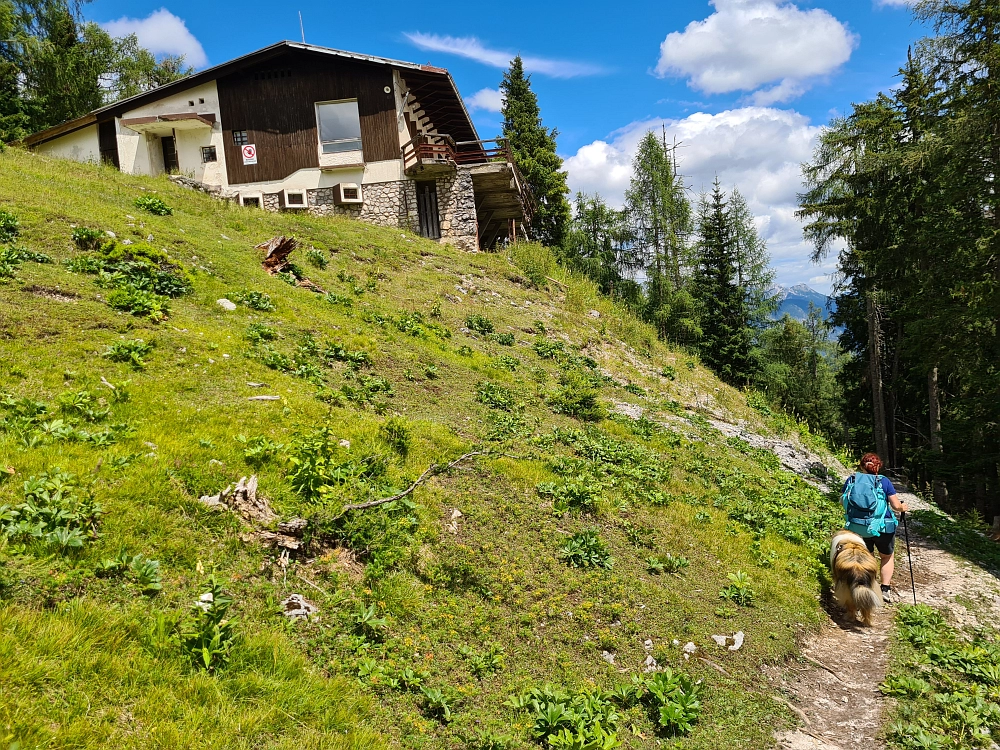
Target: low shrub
<point x="317" y="258"/>
<point x="254" y="300"/>
<point x="496" y="396"/>
<point x="208" y="637"/>
<point x="53" y="512"/>
<point x="139" y="302"/>
<point x="88" y="239"/>
<point x="577" y="397"/>
<point x="739" y="591"/>
<point x="10" y="226"/>
<point x="479" y="324"/>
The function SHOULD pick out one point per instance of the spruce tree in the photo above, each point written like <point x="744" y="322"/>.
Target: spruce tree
<point x="534" y="151"/>
<point x="727" y="335"/>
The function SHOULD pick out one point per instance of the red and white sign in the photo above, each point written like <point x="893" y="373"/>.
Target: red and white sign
<point x="249" y="154"/>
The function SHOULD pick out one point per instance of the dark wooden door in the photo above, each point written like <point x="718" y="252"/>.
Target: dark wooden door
<point x="427" y="210"/>
<point x="107" y="140"/>
<point x="169" y="154"/>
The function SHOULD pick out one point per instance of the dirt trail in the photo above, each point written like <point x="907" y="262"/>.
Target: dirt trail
<point x="835" y="692"/>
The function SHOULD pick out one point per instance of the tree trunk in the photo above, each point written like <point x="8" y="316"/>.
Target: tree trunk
<point x="875" y="374"/>
<point x="938" y="487"/>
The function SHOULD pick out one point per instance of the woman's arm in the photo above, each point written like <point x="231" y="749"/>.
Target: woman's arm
<point x="897" y="504"/>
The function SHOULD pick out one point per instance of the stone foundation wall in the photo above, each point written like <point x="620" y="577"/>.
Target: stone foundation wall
<point x="457" y="210"/>
<point x="394" y="204"/>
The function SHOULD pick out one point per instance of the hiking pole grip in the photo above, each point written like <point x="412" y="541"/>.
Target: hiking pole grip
<point x="909" y="557"/>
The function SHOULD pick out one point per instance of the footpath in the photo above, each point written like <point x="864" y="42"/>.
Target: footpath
<point x="834" y="689"/>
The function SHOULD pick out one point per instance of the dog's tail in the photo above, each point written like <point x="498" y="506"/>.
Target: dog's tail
<point x="867" y="601"/>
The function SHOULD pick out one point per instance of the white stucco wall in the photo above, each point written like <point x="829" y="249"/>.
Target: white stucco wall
<point x="80" y="145"/>
<point x="142" y="153"/>
<point x="310" y="179"/>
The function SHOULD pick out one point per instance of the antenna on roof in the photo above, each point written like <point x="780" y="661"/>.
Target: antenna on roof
<point x="302" y="28"/>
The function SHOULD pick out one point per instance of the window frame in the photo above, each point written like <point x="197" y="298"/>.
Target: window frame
<point x="244" y="134"/>
<point x="359" y="140"/>
<point x="215" y="154"/>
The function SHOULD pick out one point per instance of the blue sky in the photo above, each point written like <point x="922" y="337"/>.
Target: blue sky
<point x="744" y="85"/>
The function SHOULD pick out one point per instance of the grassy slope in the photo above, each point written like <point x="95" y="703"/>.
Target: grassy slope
<point x="84" y="661"/>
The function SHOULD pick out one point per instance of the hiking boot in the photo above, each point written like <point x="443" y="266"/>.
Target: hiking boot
<point x="887" y="594"/>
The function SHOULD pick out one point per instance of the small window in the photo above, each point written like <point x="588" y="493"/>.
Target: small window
<point x="339" y="126"/>
<point x="295" y="199"/>
<point x="351" y="193"/>
<point x="201" y="101"/>
<point x="208" y="154"/>
<point x="191" y="103"/>
<point x="251" y="200"/>
<point x="240" y="137"/>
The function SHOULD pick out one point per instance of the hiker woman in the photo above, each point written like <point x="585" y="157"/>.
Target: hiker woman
<point x="869" y="501"/>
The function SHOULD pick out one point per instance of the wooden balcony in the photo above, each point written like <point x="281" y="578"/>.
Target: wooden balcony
<point x="431" y="155"/>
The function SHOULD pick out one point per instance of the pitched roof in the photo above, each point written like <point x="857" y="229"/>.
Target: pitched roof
<point x="426" y="78"/>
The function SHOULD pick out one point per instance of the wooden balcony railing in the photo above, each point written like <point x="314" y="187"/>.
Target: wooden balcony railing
<point x="443" y="150"/>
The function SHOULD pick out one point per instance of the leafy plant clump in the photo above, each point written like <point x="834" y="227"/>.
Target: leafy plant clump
<point x="12" y="256"/>
<point x="955" y="700"/>
<point x="53" y="512"/>
<point x="208" y="637"/>
<point x="254" y="300"/>
<point x="317" y="258"/>
<point x="129" y="352"/>
<point x="585" y="549"/>
<point x="739" y="591"/>
<point x="483" y="663"/>
<point x="496" y="396"/>
<point x="146" y="572"/>
<point x="10" y="226"/>
<point x="577" y="397"/>
<point x="666" y="564"/>
<point x="154" y="205"/>
<point x="87" y="239"/>
<point x="479" y="324"/>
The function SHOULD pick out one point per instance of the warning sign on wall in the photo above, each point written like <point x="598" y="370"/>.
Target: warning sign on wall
<point x="249" y="154"/>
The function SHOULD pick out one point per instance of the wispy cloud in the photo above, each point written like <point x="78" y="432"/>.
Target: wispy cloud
<point x="490" y="100"/>
<point x="162" y="33"/>
<point x="471" y="48"/>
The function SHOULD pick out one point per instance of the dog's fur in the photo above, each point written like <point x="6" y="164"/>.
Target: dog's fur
<point x="855" y="574"/>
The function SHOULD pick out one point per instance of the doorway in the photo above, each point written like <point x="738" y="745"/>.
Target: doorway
<point x="170" y="164"/>
<point x="427" y="210"/>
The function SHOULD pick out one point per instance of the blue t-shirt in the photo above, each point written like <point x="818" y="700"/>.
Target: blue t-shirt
<point x="890" y="518"/>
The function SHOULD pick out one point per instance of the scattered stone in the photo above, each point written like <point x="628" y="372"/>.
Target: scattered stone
<point x="297" y="607"/>
<point x="648" y="644"/>
<point x="720" y="639"/>
<point x="226" y="304"/>
<point x="737" y="641"/>
<point x="215" y="462"/>
<point x="593" y="314"/>
<point x="149" y="444"/>
<point x="257" y="385"/>
<point x="453" y="520"/>
<point x="689" y="647"/>
<point x="650" y="664"/>
<point x="149" y="238"/>
<point x="608" y="657"/>
<point x="111" y="234"/>
<point x="263" y="398"/>
<point x="344" y="443"/>
<point x="676" y="642"/>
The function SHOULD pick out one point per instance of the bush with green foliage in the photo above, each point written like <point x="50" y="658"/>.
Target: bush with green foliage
<point x="585" y="549"/>
<point x="496" y="396"/>
<point x="666" y="564"/>
<point x="739" y="591"/>
<point x="153" y="205"/>
<point x="577" y="397"/>
<point x="146" y="572"/>
<point x="317" y="258"/>
<point x="139" y="302"/>
<point x="88" y="239"/>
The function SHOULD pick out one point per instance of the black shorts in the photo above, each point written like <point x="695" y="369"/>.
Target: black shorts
<point x="886" y="543"/>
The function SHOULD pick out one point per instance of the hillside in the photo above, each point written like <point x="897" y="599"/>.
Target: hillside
<point x="795" y="301"/>
<point x="611" y="513"/>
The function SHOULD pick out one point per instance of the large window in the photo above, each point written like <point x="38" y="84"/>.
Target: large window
<point x="339" y="126"/>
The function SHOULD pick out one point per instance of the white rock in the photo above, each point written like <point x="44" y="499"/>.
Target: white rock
<point x="650" y="664"/>
<point x="344" y="443"/>
<point x="720" y="639"/>
<point x="149" y="238"/>
<point x="297" y="607"/>
<point x="647" y="644"/>
<point x="226" y="304"/>
<point x="689" y="647"/>
<point x="737" y="641"/>
<point x="675" y="642"/>
<point x="608" y="657"/>
<point x="111" y="234"/>
<point x="126" y="242"/>
<point x="593" y="314"/>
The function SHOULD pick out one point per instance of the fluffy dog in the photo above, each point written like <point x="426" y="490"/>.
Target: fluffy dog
<point x="854" y="576"/>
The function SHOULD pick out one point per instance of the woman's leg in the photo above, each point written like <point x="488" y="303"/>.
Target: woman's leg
<point x="888" y="566"/>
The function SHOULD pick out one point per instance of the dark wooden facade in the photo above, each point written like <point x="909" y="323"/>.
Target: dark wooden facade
<point x="275" y="103"/>
<point x="107" y="140"/>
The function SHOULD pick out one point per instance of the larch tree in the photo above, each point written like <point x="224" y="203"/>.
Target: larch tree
<point x="534" y="151"/>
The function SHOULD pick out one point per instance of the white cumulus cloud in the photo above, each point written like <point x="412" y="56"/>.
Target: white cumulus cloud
<point x="490" y="100"/>
<point x="162" y="33"/>
<point x="757" y="149"/>
<point x="749" y="44"/>
<point x="471" y="48"/>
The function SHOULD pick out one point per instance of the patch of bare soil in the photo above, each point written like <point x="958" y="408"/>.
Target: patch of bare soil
<point x="834" y="692"/>
<point x="49" y="293"/>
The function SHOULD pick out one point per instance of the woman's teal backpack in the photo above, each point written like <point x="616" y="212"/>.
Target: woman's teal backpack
<point x="865" y="502"/>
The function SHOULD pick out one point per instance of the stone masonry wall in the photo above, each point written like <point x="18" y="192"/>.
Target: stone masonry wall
<point x="394" y="204"/>
<point x="386" y="204"/>
<point x="457" y="210"/>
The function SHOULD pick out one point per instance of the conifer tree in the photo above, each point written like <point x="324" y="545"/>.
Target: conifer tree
<point x="534" y="150"/>
<point x="727" y="335"/>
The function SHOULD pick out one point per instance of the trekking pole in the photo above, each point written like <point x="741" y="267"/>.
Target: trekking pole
<point x="909" y="557"/>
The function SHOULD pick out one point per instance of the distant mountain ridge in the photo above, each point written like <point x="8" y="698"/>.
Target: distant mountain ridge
<point x="794" y="301"/>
